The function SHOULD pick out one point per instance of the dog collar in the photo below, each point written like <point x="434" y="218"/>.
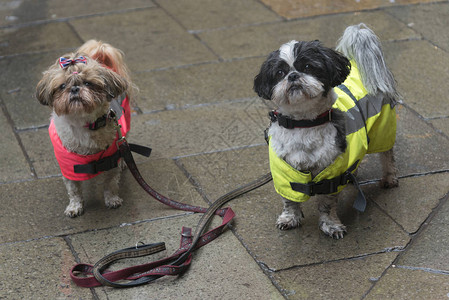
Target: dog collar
<point x="289" y="123"/>
<point x="114" y="107"/>
<point x="98" y="123"/>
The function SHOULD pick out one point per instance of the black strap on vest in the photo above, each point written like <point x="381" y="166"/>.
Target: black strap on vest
<point x="329" y="186"/>
<point x="109" y="162"/>
<point x="290" y="123"/>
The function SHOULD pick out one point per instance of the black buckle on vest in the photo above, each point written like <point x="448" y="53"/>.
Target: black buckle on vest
<point x="327" y="186"/>
<point x="330" y="186"/>
<point x="109" y="162"/>
<point x="101" y="165"/>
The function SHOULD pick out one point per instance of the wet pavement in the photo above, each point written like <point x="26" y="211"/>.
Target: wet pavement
<point x="194" y="62"/>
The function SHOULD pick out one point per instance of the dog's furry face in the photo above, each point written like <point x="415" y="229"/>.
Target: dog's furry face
<point x="79" y="89"/>
<point x="300" y="74"/>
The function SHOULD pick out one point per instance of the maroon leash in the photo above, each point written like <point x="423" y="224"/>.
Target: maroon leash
<point x="86" y="275"/>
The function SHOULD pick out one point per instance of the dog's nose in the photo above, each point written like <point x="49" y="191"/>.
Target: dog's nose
<point x="293" y="76"/>
<point x="75" y="89"/>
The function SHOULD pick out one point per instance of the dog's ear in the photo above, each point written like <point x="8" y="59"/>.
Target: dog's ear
<point x="263" y="83"/>
<point x="115" y="84"/>
<point x="338" y="66"/>
<point x="261" y="86"/>
<point x="44" y="90"/>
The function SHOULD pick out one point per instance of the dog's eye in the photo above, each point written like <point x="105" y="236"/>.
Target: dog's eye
<point x="87" y="83"/>
<point x="280" y="73"/>
<point x="307" y="68"/>
<point x="62" y="86"/>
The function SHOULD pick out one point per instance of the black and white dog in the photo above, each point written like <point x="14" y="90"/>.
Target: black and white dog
<point x="311" y="134"/>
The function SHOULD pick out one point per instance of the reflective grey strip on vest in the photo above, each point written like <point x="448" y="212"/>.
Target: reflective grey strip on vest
<point x="370" y="105"/>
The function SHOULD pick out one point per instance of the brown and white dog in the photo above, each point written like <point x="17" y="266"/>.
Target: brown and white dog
<point x="81" y="88"/>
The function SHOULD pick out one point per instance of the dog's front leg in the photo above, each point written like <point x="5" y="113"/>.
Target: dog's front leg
<point x="111" y="188"/>
<point x="291" y="215"/>
<point x="329" y="222"/>
<point x="76" y="205"/>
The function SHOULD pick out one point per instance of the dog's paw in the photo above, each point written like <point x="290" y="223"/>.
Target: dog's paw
<point x="112" y="201"/>
<point x="74" y="210"/>
<point x="288" y="221"/>
<point x="389" y="182"/>
<point x="334" y="230"/>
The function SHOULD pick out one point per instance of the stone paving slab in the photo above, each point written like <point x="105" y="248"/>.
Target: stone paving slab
<point x="206" y="128"/>
<point x="26" y="11"/>
<point x="442" y="125"/>
<point x="38" y="270"/>
<point x="17" y="167"/>
<point x="345" y="279"/>
<point x="196" y="84"/>
<point x="37" y="39"/>
<point x="414" y="65"/>
<point x="429" y="20"/>
<point x="40" y="151"/>
<point x="262" y="39"/>
<point x="197" y="15"/>
<point x="370" y="232"/>
<point x="36" y="208"/>
<point x="300" y="8"/>
<point x="430" y="250"/>
<point x="204" y="278"/>
<point x="153" y="39"/>
<point x="18" y="80"/>
<point x="400" y="283"/>
<point x="412" y="202"/>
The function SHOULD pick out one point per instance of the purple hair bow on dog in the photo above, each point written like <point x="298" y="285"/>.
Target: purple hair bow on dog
<point x="65" y="62"/>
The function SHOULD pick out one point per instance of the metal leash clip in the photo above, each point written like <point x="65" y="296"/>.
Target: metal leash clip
<point x="113" y="116"/>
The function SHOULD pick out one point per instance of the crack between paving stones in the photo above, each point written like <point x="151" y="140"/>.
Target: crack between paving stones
<point x="426" y="120"/>
<point x="430" y="270"/>
<point x="66" y="19"/>
<point x="68" y="241"/>
<point x="413" y="237"/>
<point x="100" y="229"/>
<point x="192" y="180"/>
<point x="412" y="28"/>
<point x="37" y="52"/>
<point x="18" y="139"/>
<point x="263" y="266"/>
<point x="219" y="58"/>
<point x="219" y="151"/>
<point x="209" y="62"/>
<point x="356" y="257"/>
<point x="265" y="269"/>
<point x="200" y="105"/>
<point x="412" y="175"/>
<point x="411" y="234"/>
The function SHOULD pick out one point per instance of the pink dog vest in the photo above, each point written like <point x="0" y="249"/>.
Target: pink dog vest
<point x="67" y="160"/>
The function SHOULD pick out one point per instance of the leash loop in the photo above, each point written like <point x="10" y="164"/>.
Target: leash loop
<point x="172" y="265"/>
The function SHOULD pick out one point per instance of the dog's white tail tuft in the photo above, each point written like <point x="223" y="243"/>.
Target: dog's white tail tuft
<point x="362" y="45"/>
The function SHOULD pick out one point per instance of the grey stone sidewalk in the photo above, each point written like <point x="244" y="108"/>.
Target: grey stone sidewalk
<point x="194" y="62"/>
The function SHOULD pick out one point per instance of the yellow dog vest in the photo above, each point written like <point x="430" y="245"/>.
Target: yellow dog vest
<point x="370" y="128"/>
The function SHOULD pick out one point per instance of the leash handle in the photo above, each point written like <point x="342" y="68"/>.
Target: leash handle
<point x="84" y="275"/>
